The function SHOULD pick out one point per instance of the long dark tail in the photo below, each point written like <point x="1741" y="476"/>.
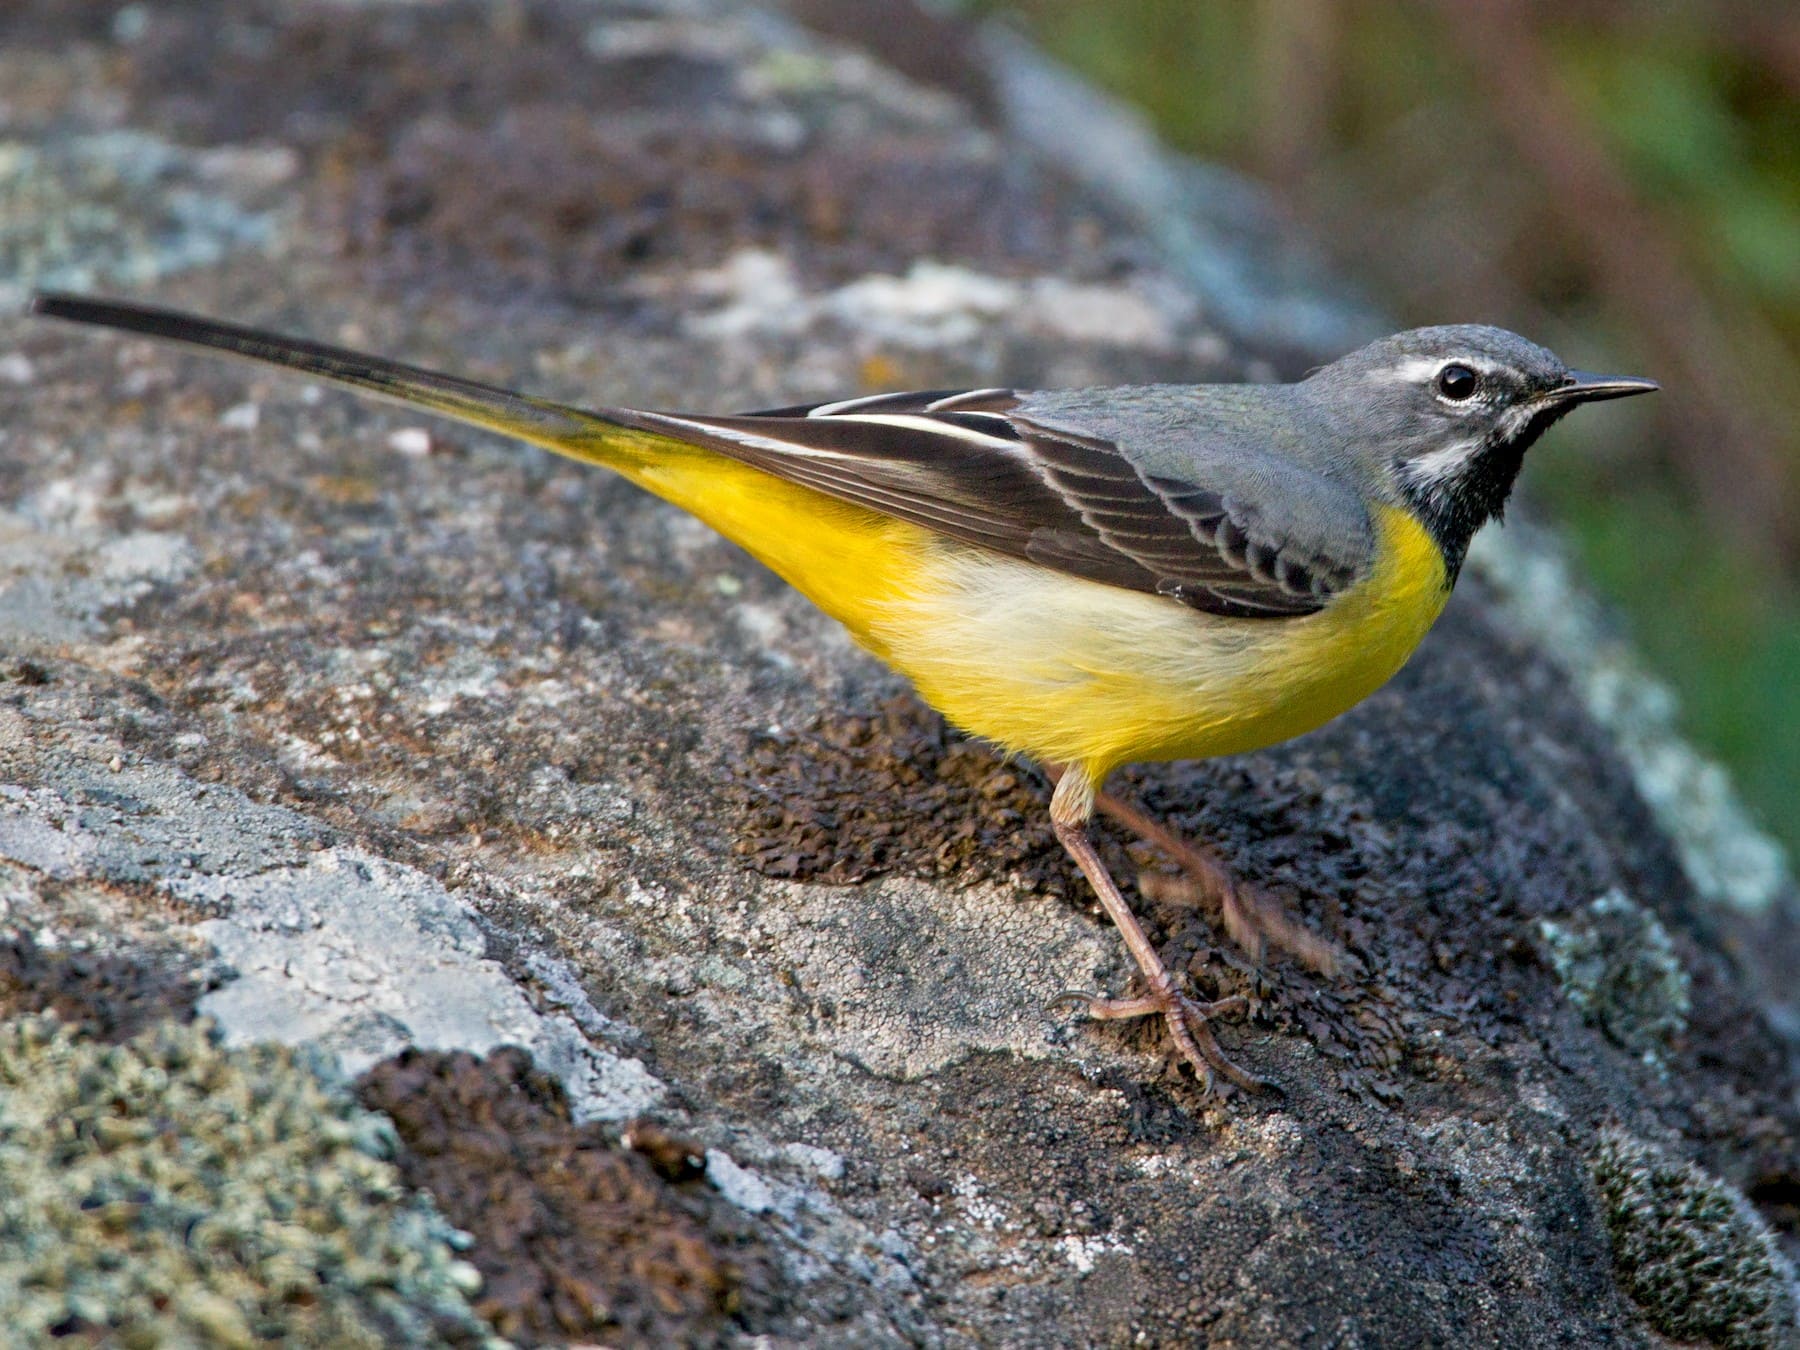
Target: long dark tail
<point x="602" y="436"/>
<point x="836" y="553"/>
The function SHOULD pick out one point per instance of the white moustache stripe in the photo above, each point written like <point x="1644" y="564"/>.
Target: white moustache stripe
<point x="1513" y="420"/>
<point x="1444" y="463"/>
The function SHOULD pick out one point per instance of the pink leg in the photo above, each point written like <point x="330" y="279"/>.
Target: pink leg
<point x="1071" y="808"/>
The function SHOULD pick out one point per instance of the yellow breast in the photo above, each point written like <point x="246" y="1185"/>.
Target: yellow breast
<point x="1071" y="671"/>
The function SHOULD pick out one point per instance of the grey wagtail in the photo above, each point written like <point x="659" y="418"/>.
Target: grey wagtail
<point x="1086" y="577"/>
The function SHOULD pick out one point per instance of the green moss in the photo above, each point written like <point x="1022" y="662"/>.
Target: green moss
<point x="168" y="1190"/>
<point x="1617" y="964"/>
<point x="1691" y="1251"/>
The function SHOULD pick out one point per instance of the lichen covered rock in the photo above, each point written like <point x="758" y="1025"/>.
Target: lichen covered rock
<point x="1692" y="1252"/>
<point x="170" y="1191"/>
<point x="575" y="1236"/>
<point x="1618" y="966"/>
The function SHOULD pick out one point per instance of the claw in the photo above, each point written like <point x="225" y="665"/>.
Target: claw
<point x="1071" y="807"/>
<point x="1233" y="1003"/>
<point x="1189" y="1026"/>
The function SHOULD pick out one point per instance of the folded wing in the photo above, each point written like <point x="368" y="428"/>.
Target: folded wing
<point x="969" y="465"/>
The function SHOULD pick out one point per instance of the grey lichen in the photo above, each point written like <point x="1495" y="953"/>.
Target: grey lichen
<point x="1617" y="964"/>
<point x="171" y="1191"/>
<point x="1692" y="1252"/>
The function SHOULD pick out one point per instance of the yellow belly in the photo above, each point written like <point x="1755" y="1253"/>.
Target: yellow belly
<point x="1062" y="670"/>
<point x="1075" y="672"/>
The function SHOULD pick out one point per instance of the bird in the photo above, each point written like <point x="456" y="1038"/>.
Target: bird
<point x="1084" y="578"/>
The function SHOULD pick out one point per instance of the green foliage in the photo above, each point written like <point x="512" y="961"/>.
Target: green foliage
<point x="1716" y="164"/>
<point x="1718" y="628"/>
<point x="1668" y="116"/>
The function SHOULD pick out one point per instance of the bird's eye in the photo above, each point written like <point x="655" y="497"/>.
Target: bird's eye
<point x="1456" y="381"/>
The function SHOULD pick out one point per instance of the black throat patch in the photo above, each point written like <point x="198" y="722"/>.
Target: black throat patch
<point x="1453" y="509"/>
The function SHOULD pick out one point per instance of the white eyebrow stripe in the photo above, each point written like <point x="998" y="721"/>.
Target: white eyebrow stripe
<point x="1419" y="369"/>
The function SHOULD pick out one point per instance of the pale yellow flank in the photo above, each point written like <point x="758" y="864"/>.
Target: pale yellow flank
<point x="1063" y="670"/>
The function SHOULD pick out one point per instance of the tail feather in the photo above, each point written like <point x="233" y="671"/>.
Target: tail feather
<point x="600" y="436"/>
<point x="846" y="559"/>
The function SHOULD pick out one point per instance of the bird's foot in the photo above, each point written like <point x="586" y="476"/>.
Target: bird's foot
<point x="1189" y="1022"/>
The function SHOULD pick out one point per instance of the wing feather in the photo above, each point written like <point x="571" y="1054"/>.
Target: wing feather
<point x="957" y="463"/>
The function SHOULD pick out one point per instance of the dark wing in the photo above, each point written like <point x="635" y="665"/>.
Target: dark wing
<point x="959" y="463"/>
<point x="1210" y="548"/>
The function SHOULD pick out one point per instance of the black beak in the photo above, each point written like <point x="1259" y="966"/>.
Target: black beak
<point x="1585" y="387"/>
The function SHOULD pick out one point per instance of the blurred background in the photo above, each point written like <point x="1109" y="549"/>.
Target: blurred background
<point x="1619" y="179"/>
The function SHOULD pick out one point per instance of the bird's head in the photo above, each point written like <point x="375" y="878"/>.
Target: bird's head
<point x="1443" y="417"/>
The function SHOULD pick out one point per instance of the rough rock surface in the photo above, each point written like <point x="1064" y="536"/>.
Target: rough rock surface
<point x="411" y="744"/>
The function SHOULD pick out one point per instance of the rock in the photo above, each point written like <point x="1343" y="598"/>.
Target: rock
<point x="408" y="744"/>
<point x="1699" y="1260"/>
